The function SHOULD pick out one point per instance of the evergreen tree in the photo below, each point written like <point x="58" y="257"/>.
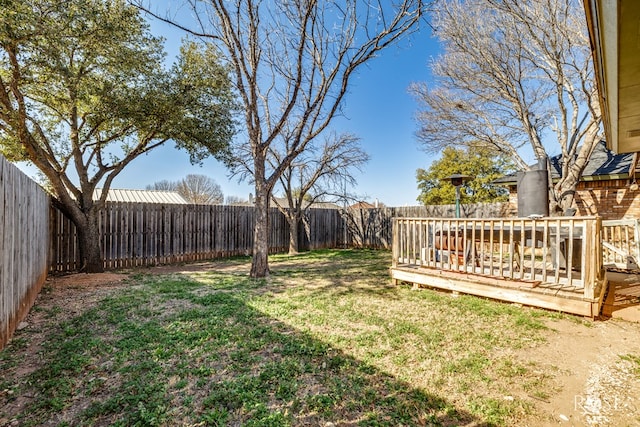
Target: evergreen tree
<point x="481" y="164"/>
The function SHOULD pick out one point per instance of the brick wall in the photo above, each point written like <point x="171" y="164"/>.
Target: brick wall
<point x="612" y="199"/>
<point x="609" y="199"/>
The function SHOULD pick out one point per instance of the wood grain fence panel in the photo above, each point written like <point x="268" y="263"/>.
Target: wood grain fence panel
<point x="209" y="211"/>
<point x="188" y="233"/>
<point x="167" y="235"/>
<point x="221" y="236"/>
<point x="117" y="217"/>
<point x="125" y="221"/>
<point x="208" y="221"/>
<point x="112" y="245"/>
<point x="131" y="235"/>
<point x="151" y="224"/>
<point x="196" y="227"/>
<point x="176" y="237"/>
<point x="233" y="233"/>
<point x="183" y="214"/>
<point x="229" y="232"/>
<point x="134" y="234"/>
<point x="139" y="238"/>
<point x="198" y="231"/>
<point x="117" y="236"/>
<point x="105" y="230"/>
<point x="24" y="245"/>
<point x="113" y="234"/>
<point x="109" y="236"/>
<point x="203" y="233"/>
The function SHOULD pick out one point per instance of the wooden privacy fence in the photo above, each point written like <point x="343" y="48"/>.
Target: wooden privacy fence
<point x="24" y="236"/>
<point x="138" y="234"/>
<point x="372" y="228"/>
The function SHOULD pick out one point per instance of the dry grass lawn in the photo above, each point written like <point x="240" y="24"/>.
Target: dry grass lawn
<point x="325" y="341"/>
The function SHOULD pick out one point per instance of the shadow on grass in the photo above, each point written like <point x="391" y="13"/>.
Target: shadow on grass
<point x="176" y="352"/>
<point x="335" y="271"/>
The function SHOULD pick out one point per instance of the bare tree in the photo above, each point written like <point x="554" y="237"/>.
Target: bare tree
<point x="194" y="188"/>
<point x="517" y="77"/>
<point x="235" y="200"/>
<point x="321" y="172"/>
<point x="293" y="61"/>
<point x="200" y="190"/>
<point x="163" y="185"/>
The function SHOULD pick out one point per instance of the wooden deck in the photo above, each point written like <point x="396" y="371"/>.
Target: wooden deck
<point x="620" y="244"/>
<point x="553" y="263"/>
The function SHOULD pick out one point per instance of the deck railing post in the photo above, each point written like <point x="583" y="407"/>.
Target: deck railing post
<point x="587" y="262"/>
<point x="636" y="241"/>
<point x="597" y="235"/>
<point x="590" y="256"/>
<point x="396" y="242"/>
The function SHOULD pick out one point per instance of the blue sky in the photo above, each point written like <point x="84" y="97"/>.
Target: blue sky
<point x="378" y="109"/>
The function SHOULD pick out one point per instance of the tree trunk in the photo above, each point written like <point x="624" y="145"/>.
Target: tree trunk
<point x="564" y="195"/>
<point x="89" y="244"/>
<point x="260" y="261"/>
<point x="293" y="234"/>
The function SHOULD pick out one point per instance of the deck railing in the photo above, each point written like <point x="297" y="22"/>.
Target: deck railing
<point x="620" y="243"/>
<point x="566" y="251"/>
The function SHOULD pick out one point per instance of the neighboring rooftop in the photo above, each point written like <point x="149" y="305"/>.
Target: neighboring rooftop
<point x="142" y="196"/>
<point x="362" y="205"/>
<point x="603" y="165"/>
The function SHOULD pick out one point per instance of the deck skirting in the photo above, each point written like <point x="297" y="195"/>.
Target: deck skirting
<point x="514" y="291"/>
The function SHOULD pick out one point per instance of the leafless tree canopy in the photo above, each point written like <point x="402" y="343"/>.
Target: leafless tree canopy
<point x="194" y="188"/>
<point x="515" y="76"/>
<point x="163" y="185"/>
<point x="235" y="200"/>
<point x="292" y="62"/>
<point x="324" y="170"/>
<point x="200" y="190"/>
<point x="321" y="173"/>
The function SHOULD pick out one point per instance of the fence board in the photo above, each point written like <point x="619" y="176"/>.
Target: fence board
<point x="24" y="245"/>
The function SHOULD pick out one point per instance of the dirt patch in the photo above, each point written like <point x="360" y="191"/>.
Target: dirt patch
<point x="221" y="266"/>
<point x="85" y="280"/>
<point x="595" y="385"/>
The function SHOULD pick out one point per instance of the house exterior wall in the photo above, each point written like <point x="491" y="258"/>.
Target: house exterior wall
<point x="610" y="199"/>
